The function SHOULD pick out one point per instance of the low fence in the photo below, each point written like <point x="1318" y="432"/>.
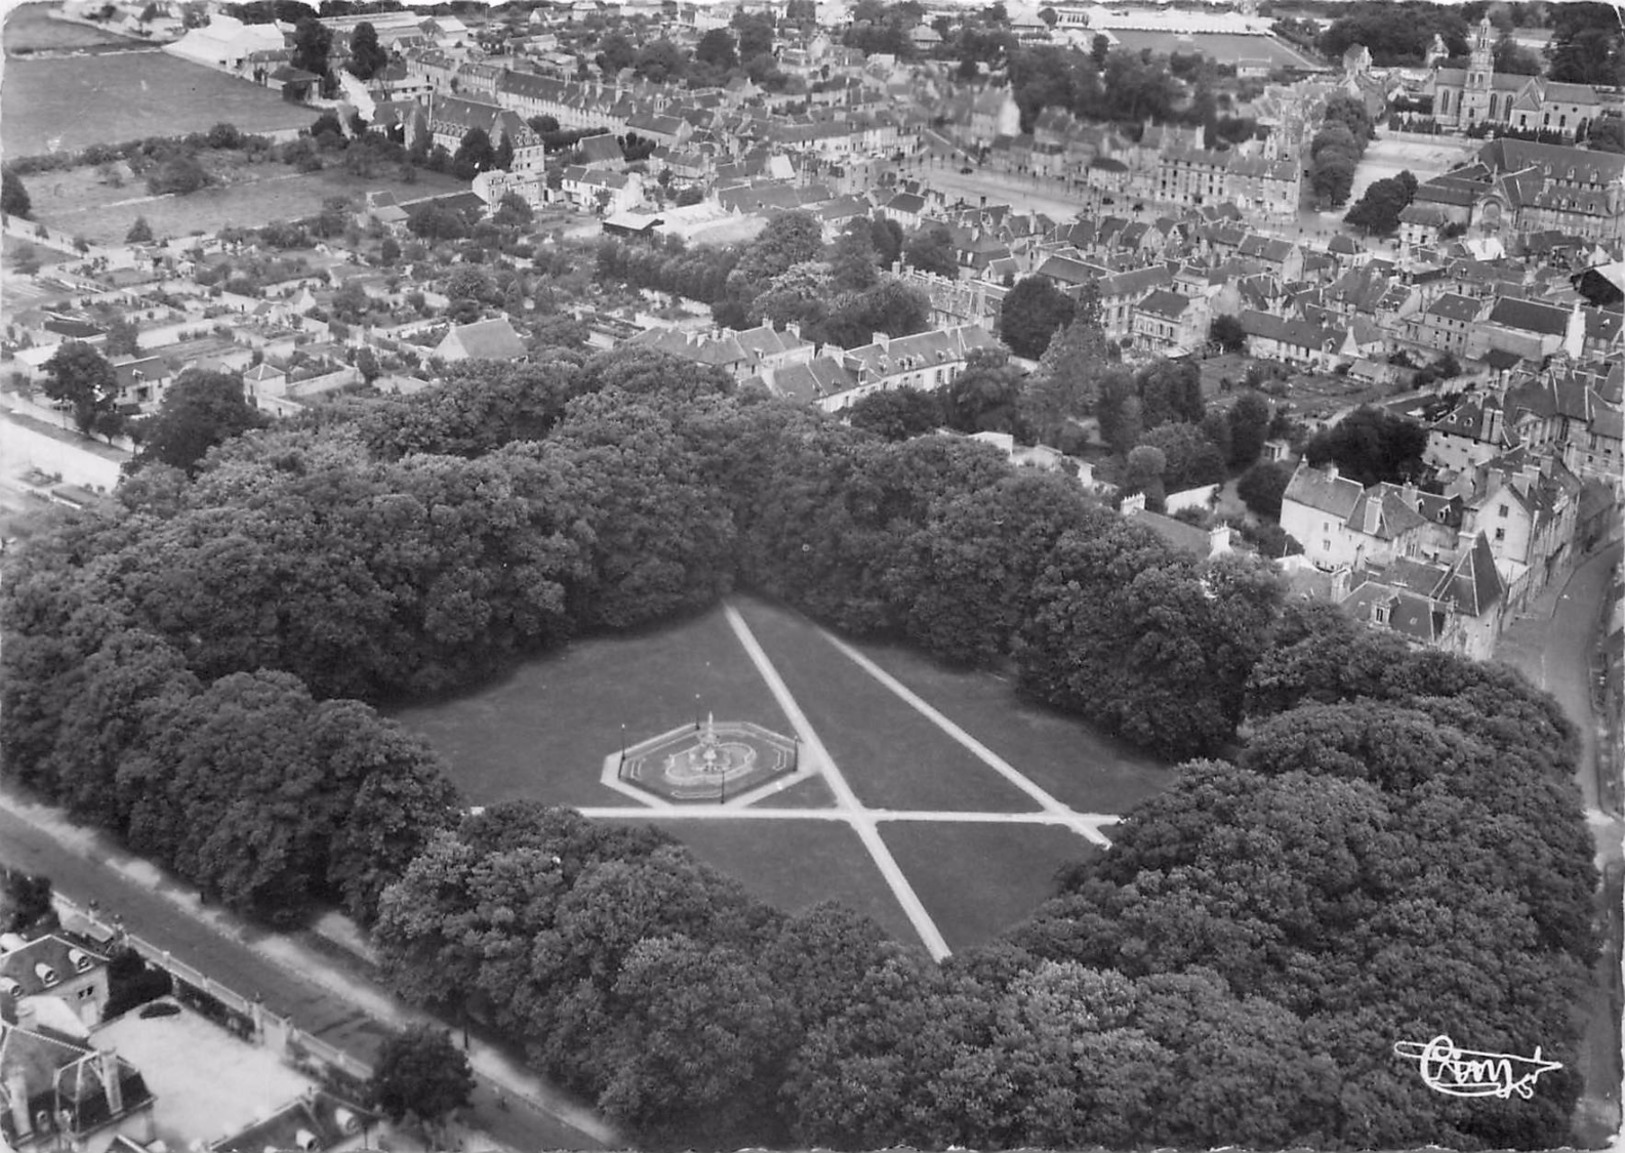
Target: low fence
<point x="246" y="1018"/>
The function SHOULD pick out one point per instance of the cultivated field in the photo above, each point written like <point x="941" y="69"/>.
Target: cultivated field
<point x="70" y="102"/>
<point x="916" y="745"/>
<point x="79" y="202"/>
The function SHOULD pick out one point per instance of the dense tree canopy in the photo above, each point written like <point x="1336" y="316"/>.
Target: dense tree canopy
<point x="1032" y="313"/>
<point x="1371" y="445"/>
<point x="200" y="410"/>
<point x="1393" y="844"/>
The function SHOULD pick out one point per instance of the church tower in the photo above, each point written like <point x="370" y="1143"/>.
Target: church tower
<point x="1478" y="94"/>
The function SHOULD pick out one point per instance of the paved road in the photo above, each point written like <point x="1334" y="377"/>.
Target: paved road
<point x="1552" y="645"/>
<point x="325" y="994"/>
<point x="1552" y="642"/>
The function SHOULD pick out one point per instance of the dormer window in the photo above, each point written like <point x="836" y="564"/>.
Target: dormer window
<point x="81" y="963"/>
<point x="46" y="974"/>
<point x="1380" y="612"/>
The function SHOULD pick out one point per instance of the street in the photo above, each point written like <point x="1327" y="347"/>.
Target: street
<point x="1552" y="644"/>
<point x="330" y="999"/>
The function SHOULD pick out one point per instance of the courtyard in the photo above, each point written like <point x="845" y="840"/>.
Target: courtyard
<point x="935" y="801"/>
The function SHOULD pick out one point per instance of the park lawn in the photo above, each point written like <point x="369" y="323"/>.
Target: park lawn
<point x="76" y="200"/>
<point x="542" y="731"/>
<point x="978" y="881"/>
<point x="1079" y="766"/>
<point x="812" y="793"/>
<point x="129" y="96"/>
<point x="795" y="864"/>
<point x="891" y="755"/>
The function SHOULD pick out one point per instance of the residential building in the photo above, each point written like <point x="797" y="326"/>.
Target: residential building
<point x="926" y="361"/>
<point x="483" y="340"/>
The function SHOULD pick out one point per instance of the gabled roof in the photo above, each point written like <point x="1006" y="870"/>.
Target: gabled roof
<point x="1474" y="585"/>
<point x="1323" y="491"/>
<point x="1164" y="303"/>
<point x="1453" y="306"/>
<point x="1528" y="316"/>
<point x="1411" y="615"/>
<point x="489" y="340"/>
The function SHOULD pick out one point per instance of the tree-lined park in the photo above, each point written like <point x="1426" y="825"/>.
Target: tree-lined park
<point x="1362" y="844"/>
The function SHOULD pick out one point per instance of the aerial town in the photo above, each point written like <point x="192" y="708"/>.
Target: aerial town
<point x="591" y="574"/>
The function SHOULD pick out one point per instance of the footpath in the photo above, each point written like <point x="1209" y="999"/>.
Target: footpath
<point x="319" y="982"/>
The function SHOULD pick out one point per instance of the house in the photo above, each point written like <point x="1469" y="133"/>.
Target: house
<point x="597" y="190"/>
<point x="57" y="1090"/>
<point x="1474" y="432"/>
<point x="55" y="967"/>
<point x="1341" y="524"/>
<point x="926" y="361"/>
<point x="1456" y="608"/>
<point x="1296" y="342"/>
<point x="141" y="383"/>
<point x="483" y="340"/>
<point x="1122" y="291"/>
<point x="601" y="151"/>
<point x="1169" y="322"/>
<point x="1445" y="324"/>
<point x="1525" y="327"/>
<point x="1201" y="543"/>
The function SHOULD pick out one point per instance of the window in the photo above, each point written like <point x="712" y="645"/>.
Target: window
<point x="1500" y="534"/>
<point x="1501" y="510"/>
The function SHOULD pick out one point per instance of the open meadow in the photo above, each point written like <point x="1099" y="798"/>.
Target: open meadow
<point x="69" y="102"/>
<point x="913" y="747"/>
<point x="29" y="28"/>
<point x="1222" y="47"/>
<point x="81" y="202"/>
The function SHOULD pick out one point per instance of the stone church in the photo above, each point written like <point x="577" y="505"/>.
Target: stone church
<point x="1466" y="97"/>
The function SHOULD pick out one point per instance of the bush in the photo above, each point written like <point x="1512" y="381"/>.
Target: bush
<point x="131" y="982"/>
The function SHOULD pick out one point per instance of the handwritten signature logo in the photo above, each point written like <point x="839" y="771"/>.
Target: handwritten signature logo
<point x="1467" y="1073"/>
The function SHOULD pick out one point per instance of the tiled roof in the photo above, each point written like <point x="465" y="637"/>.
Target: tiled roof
<point x="489" y="340"/>
<point x="29" y="965"/>
<point x="1319" y="490"/>
<point x="1528" y="316"/>
<point x="1452" y="306"/>
<point x="1164" y="303"/>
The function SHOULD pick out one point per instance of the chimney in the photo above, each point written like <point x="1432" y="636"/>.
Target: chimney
<point x="881" y="339"/>
<point x="1331" y="472"/>
<point x="1133" y="505"/>
<point x="1373" y="512"/>
<point x="793" y="327"/>
<point x="1218" y="538"/>
<point x="17" y="1098"/>
<point x="107" y="1063"/>
<point x="1340" y="584"/>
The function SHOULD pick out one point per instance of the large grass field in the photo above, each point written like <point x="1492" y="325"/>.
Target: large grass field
<point x="70" y="102"/>
<point x="891" y="755"/>
<point x="795" y="864"/>
<point x="78" y="202"/>
<point x="1223" y="47"/>
<point x="543" y="730"/>
<point x="1082" y="768"/>
<point x="28" y="28"/>
<point x="978" y="881"/>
